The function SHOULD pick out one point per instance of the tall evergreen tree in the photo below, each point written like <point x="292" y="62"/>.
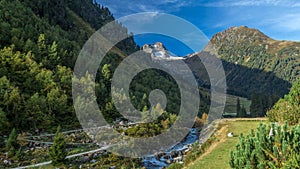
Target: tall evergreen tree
<point x="3" y="122"/>
<point x="243" y="112"/>
<point x="12" y="144"/>
<point x="58" y="150"/>
<point x="256" y="107"/>
<point x="238" y="107"/>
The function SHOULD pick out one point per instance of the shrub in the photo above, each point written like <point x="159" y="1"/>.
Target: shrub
<point x="271" y="147"/>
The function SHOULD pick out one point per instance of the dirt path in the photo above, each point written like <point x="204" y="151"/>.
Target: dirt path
<point x="221" y="137"/>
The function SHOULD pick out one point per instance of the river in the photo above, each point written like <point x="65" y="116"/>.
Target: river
<point x="154" y="162"/>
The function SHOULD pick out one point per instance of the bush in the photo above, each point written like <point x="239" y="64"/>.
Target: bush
<point x="287" y="109"/>
<point x="271" y="147"/>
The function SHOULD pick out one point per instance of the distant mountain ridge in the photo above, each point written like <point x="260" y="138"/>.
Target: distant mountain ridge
<point x="253" y="62"/>
<point x="253" y="49"/>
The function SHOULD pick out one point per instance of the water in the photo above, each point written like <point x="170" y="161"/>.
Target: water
<point x="151" y="162"/>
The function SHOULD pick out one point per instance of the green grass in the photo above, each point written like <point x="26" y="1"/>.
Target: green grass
<point x="218" y="158"/>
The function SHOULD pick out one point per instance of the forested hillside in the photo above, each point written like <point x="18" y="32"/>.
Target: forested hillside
<point x="39" y="45"/>
<point x="39" y="42"/>
<point x="276" y="63"/>
<point x="256" y="66"/>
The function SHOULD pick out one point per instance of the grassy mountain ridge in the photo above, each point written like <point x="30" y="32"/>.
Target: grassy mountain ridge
<point x="253" y="49"/>
<point x="253" y="62"/>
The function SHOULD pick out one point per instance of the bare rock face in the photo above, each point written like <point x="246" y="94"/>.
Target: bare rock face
<point x="159" y="51"/>
<point x="159" y="46"/>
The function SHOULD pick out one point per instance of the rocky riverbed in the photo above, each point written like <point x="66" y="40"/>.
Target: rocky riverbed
<point x="174" y="154"/>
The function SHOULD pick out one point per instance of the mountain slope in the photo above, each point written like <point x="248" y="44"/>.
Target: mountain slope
<point x="39" y="45"/>
<point x="255" y="63"/>
<point x="240" y="50"/>
<point x="251" y="48"/>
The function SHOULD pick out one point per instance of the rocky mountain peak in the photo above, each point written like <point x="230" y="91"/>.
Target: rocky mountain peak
<point x="159" y="51"/>
<point x="240" y="34"/>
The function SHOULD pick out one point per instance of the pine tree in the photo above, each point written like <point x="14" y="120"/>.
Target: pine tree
<point x="271" y="147"/>
<point x="240" y="110"/>
<point x="238" y="107"/>
<point x="58" y="150"/>
<point x="256" y="107"/>
<point x="243" y="112"/>
<point x="3" y="122"/>
<point x="12" y="144"/>
<point x="145" y="114"/>
<point x="287" y="109"/>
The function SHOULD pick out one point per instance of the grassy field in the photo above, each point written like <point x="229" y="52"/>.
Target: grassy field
<point x="217" y="156"/>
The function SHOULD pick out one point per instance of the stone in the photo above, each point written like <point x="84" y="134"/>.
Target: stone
<point x="230" y="134"/>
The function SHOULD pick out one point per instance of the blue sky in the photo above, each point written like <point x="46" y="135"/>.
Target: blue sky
<point x="279" y="19"/>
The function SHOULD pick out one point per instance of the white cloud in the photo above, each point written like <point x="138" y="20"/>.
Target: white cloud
<point x="287" y="22"/>
<point x="137" y="23"/>
<point x="147" y="17"/>
<point x="122" y="8"/>
<point x="232" y="3"/>
<point x="279" y="16"/>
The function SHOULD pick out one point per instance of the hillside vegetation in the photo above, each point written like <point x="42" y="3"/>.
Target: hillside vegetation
<point x="287" y="109"/>
<point x="255" y="63"/>
<point x="39" y="45"/>
<point x="217" y="155"/>
<point x="273" y="145"/>
<point x="253" y="49"/>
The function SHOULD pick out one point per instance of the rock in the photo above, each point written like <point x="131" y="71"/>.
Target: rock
<point x="230" y="134"/>
<point x="159" y="155"/>
<point x="84" y="159"/>
<point x="7" y="162"/>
